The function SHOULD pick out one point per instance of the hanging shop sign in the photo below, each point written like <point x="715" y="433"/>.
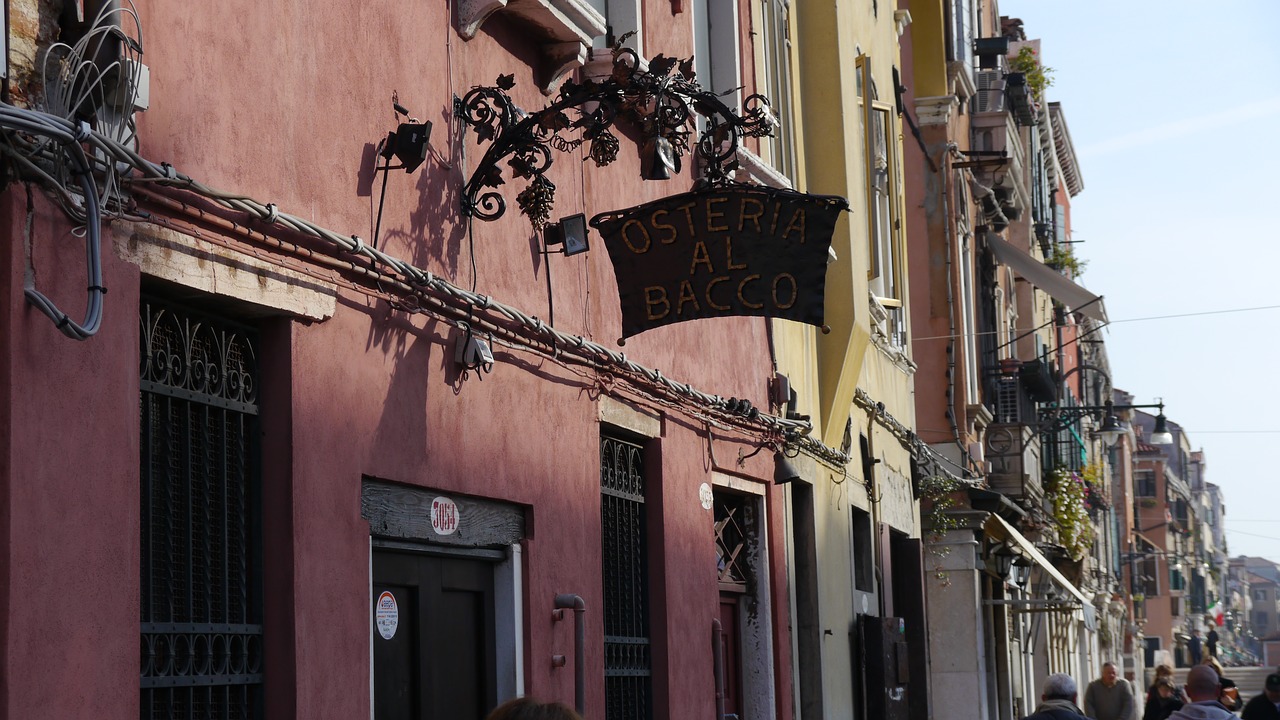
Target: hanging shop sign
<point x="719" y="252"/>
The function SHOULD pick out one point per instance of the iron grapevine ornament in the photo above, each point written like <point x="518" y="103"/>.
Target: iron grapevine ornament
<point x="661" y="100"/>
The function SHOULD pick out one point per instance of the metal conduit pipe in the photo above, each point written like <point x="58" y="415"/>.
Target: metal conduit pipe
<point x="717" y="662"/>
<point x="569" y="601"/>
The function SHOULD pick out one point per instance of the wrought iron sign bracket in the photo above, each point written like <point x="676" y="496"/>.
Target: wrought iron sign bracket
<point x="662" y="99"/>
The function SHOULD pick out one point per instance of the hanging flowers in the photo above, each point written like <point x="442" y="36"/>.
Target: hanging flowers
<point x="1068" y="491"/>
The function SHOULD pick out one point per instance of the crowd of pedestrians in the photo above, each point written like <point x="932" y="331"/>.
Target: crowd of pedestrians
<point x="1207" y="695"/>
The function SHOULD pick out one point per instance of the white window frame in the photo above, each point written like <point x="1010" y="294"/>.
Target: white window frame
<point x="717" y="55"/>
<point x="968" y="314"/>
<point x="886" y="276"/>
<point x="774" y="78"/>
<point x="622" y="17"/>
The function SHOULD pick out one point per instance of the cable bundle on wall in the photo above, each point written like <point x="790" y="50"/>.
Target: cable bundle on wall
<point x="440" y="296"/>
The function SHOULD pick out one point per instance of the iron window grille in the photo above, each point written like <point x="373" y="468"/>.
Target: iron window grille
<point x="201" y="624"/>
<point x="627" y="656"/>
<point x="734" y="523"/>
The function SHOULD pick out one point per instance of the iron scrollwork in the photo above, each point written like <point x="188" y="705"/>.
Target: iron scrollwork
<point x="663" y="100"/>
<point x="186" y="354"/>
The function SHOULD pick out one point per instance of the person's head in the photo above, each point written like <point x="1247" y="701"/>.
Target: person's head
<point x="1109" y="674"/>
<point x="1164" y="671"/>
<point x="1059" y="686"/>
<point x="1212" y="662"/>
<point x="528" y="709"/>
<point x="1196" y="632"/>
<point x="1272" y="687"/>
<point x="1164" y="686"/>
<point x="1203" y="684"/>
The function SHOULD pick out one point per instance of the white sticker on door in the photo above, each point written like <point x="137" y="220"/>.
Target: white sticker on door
<point x="386" y="615"/>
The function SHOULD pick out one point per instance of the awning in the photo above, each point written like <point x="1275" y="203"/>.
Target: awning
<point x="998" y="528"/>
<point x="1062" y="288"/>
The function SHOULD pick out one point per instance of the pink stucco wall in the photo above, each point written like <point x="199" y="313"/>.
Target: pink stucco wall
<point x="282" y="103"/>
<point x="68" y="481"/>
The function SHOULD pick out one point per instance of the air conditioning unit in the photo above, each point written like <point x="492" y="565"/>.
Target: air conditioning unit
<point x="1014" y="458"/>
<point x="990" y="94"/>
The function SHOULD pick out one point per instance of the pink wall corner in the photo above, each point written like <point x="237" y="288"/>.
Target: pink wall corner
<point x="70" y="494"/>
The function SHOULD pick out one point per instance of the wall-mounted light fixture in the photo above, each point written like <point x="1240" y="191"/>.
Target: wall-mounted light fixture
<point x="570" y="234"/>
<point x="1111" y="429"/>
<point x="408" y="143"/>
<point x="1021" y="571"/>
<point x="1000" y="560"/>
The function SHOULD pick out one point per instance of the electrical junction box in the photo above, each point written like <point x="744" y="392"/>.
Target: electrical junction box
<point x="473" y="352"/>
<point x="137" y="76"/>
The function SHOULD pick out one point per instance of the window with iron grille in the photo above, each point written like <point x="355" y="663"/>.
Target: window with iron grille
<point x="628" y="685"/>
<point x="734" y="528"/>
<point x="201" y="649"/>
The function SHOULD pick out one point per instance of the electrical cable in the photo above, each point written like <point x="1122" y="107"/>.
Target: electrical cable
<point x="441" y="297"/>
<point x="93" y="258"/>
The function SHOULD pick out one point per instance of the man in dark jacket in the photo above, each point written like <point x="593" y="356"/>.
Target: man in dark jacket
<point x="1058" y="701"/>
<point x="1203" y="688"/>
<point x="1267" y="705"/>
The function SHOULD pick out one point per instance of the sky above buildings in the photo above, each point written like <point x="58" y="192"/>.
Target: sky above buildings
<point x="1174" y="108"/>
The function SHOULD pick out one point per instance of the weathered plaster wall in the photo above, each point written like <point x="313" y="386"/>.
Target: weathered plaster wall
<point x="285" y="104"/>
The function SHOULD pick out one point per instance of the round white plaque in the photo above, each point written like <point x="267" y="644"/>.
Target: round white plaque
<point x="386" y="615"/>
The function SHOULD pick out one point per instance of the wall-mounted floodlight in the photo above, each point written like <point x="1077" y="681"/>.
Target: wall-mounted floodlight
<point x="408" y="144"/>
<point x="570" y="234"/>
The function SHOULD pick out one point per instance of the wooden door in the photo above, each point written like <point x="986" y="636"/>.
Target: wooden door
<point x="433" y="637"/>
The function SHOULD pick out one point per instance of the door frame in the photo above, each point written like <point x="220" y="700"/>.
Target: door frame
<point x="399" y="518"/>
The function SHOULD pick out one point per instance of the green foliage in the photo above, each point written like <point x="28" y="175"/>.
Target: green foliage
<point x="1063" y="257"/>
<point x="1038" y="76"/>
<point x="937" y="494"/>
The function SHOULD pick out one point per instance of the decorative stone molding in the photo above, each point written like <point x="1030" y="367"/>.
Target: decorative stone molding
<point x="901" y="19"/>
<point x="194" y="263"/>
<point x="629" y="417"/>
<point x="564" y="27"/>
<point x="936" y="110"/>
<point x="473" y="13"/>
<point x="752" y="168"/>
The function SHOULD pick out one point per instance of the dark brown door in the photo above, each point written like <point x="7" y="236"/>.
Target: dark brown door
<point x="433" y="637"/>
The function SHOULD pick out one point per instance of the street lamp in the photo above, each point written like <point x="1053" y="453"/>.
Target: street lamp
<point x="1056" y="418"/>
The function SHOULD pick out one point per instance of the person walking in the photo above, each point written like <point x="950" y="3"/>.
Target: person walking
<point x="1163" y="700"/>
<point x="1110" y="697"/>
<point x="1058" y="701"/>
<point x="1211" y="642"/>
<point x="1203" y="688"/>
<point x="1163" y="672"/>
<point x="1267" y="705"/>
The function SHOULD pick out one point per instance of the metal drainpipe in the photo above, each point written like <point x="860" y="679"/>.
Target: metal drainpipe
<point x="569" y="601"/>
<point x="717" y="651"/>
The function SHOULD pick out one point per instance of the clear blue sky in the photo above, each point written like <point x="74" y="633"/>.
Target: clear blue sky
<point x="1174" y="110"/>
